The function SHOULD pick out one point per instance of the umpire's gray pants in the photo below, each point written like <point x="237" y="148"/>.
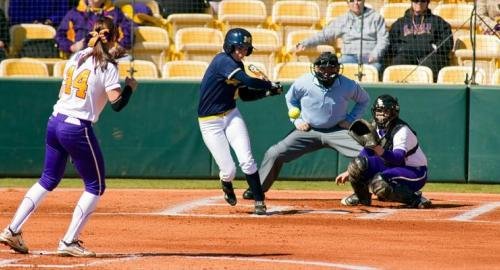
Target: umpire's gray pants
<point x="298" y="143"/>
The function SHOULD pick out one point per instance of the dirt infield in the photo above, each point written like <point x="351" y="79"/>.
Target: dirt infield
<point x="196" y="229"/>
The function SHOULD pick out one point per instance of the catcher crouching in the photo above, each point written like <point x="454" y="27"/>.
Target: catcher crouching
<point x="391" y="164"/>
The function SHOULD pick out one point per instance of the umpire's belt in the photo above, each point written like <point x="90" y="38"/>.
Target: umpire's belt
<point x="327" y="130"/>
<point x="215" y="116"/>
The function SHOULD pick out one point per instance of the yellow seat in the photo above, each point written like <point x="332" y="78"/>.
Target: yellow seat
<point x="295" y="15"/>
<point x="177" y="21"/>
<point x="26" y="31"/>
<point x="151" y="44"/>
<point x="459" y="75"/>
<point x="142" y="69"/>
<point x="58" y="69"/>
<point x="393" y="11"/>
<point x="290" y="71"/>
<point x="152" y="4"/>
<point x="308" y="55"/>
<point x="370" y="73"/>
<point x="495" y="79"/>
<point x="242" y="13"/>
<point x="260" y="66"/>
<point x="23" y="68"/>
<point x="407" y="74"/>
<point x="196" y="43"/>
<point x="267" y="47"/>
<point x="184" y="70"/>
<point x="487" y="52"/>
<point x="457" y="15"/>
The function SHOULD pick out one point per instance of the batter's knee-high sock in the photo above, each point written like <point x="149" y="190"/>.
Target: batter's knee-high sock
<point x="253" y="181"/>
<point x="31" y="200"/>
<point x="86" y="206"/>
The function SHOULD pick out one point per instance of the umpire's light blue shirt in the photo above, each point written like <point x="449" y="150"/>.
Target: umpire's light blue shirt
<point x="323" y="107"/>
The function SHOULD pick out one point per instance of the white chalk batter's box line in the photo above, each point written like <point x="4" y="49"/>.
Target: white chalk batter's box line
<point x="122" y="257"/>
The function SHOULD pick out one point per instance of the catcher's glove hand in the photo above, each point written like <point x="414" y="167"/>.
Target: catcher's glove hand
<point x="364" y="133"/>
<point x="276" y="89"/>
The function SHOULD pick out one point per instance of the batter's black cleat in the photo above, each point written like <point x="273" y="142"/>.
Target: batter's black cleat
<point x="248" y="194"/>
<point x="229" y="196"/>
<point x="260" y="208"/>
<point x="353" y="200"/>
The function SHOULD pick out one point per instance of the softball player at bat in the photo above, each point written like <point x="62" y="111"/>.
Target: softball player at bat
<point x="90" y="80"/>
<point x="221" y="123"/>
<point x="395" y="169"/>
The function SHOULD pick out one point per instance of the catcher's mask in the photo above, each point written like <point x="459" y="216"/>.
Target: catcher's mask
<point x="326" y="68"/>
<point x="384" y="110"/>
<point x="238" y="37"/>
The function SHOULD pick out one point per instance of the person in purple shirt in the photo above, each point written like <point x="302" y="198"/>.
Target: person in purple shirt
<point x="77" y="23"/>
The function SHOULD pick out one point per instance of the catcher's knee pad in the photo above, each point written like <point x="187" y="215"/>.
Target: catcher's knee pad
<point x="381" y="187"/>
<point x="357" y="169"/>
<point x="227" y="174"/>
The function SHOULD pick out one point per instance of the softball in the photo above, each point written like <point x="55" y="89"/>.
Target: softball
<point x="294" y="113"/>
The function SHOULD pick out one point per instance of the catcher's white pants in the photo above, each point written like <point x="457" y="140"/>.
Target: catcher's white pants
<point x="224" y="130"/>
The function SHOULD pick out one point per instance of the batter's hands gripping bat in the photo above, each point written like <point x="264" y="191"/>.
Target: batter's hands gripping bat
<point x="276" y="87"/>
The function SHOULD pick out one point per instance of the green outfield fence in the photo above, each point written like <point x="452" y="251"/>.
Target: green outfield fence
<point x="157" y="135"/>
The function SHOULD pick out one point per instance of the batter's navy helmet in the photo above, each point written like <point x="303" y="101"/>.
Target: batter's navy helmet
<point x="237" y="37"/>
<point x="389" y="105"/>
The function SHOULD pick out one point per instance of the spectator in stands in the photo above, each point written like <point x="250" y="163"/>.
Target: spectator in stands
<point x="74" y="27"/>
<point x="489" y="10"/>
<point x="421" y="38"/>
<point x="48" y="12"/>
<point x="4" y="35"/>
<point x="348" y="27"/>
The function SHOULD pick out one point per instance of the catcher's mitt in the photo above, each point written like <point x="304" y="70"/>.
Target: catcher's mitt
<point x="364" y="133"/>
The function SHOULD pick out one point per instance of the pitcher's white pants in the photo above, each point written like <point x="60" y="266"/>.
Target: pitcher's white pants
<point x="220" y="132"/>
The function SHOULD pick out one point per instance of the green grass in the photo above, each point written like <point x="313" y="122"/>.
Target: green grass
<point x="240" y="184"/>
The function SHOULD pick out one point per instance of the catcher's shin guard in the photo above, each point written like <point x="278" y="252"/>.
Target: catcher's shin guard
<point x="357" y="169"/>
<point x="394" y="192"/>
<point x="362" y="192"/>
<point x="253" y="181"/>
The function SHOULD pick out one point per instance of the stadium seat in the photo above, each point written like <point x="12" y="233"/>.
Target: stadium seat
<point x="495" y="79"/>
<point x="307" y="55"/>
<point x="152" y="4"/>
<point x="142" y="69"/>
<point x="487" y="53"/>
<point x="20" y="33"/>
<point x="290" y="71"/>
<point x="459" y="74"/>
<point x="58" y="69"/>
<point x="457" y="15"/>
<point x="267" y="47"/>
<point x="407" y="74"/>
<point x="242" y="13"/>
<point x="260" y="66"/>
<point x="184" y="70"/>
<point x="196" y="43"/>
<point x="393" y="11"/>
<point x="295" y="15"/>
<point x="370" y="73"/>
<point x="151" y="44"/>
<point x="23" y="68"/>
<point x="177" y="21"/>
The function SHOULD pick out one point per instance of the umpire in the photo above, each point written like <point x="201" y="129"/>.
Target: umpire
<point x="323" y="97"/>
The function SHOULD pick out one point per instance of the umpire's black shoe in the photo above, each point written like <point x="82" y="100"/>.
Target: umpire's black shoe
<point x="248" y="194"/>
<point x="229" y="195"/>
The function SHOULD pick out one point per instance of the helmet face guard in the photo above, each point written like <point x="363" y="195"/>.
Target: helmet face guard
<point x="326" y="68"/>
<point x="238" y="37"/>
<point x="384" y="110"/>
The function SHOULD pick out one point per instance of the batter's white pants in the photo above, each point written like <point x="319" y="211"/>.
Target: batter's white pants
<point x="225" y="130"/>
